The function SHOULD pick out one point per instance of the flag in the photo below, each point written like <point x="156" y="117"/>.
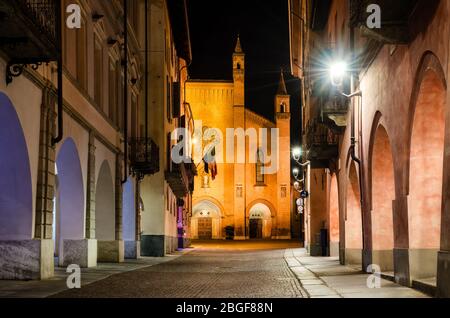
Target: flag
<point x="210" y="164"/>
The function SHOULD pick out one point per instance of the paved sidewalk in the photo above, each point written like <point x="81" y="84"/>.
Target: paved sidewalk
<point x="324" y="277"/>
<point x="57" y="284"/>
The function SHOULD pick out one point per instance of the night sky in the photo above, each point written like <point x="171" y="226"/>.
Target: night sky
<point x="264" y="31"/>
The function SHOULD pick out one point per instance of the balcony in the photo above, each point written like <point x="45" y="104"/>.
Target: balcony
<point x="181" y="178"/>
<point x="328" y="102"/>
<point x="144" y="157"/>
<point x="321" y="144"/>
<point x="395" y="19"/>
<point x="29" y="32"/>
<point x="334" y="109"/>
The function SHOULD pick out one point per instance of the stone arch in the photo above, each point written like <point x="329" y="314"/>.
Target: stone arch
<point x="382" y="185"/>
<point x="353" y="218"/>
<point x="105" y="221"/>
<point x="426" y="162"/>
<point x="333" y="216"/>
<point x="16" y="202"/>
<point x="260" y="221"/>
<point x="70" y="208"/>
<point x="273" y="211"/>
<point x="206" y="221"/>
<point x="211" y="199"/>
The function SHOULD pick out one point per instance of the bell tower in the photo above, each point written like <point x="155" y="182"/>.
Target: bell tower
<point x="240" y="218"/>
<point x="282" y="99"/>
<point x="239" y="74"/>
<point x="283" y="123"/>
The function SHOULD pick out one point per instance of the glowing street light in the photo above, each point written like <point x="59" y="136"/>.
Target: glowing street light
<point x="296" y="153"/>
<point x="337" y="72"/>
<point x="295" y="172"/>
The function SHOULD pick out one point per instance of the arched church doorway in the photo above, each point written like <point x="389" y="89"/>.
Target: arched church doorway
<point x="206" y="222"/>
<point x="260" y="222"/>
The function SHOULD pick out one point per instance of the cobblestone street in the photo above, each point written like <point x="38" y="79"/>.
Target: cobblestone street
<point x="226" y="270"/>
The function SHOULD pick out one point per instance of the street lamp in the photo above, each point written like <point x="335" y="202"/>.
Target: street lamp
<point x="337" y="72"/>
<point x="296" y="153"/>
<point x="295" y="172"/>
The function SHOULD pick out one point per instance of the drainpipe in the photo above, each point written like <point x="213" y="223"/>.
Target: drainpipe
<point x="354" y="157"/>
<point x="146" y="80"/>
<point x="125" y="90"/>
<point x="60" y="134"/>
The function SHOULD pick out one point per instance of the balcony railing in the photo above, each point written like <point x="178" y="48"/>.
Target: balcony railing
<point x="29" y="29"/>
<point x="43" y="14"/>
<point x="321" y="143"/>
<point x="30" y="33"/>
<point x="181" y="178"/>
<point x="144" y="157"/>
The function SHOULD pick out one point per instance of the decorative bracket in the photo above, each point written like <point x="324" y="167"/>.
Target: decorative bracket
<point x="15" y="70"/>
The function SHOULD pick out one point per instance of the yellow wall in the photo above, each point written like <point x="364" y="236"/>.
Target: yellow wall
<point x="212" y="102"/>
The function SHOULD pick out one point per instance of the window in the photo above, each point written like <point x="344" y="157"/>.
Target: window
<point x="283" y="108"/>
<point x="169" y="99"/>
<point x="134" y="116"/>
<point x="239" y="191"/>
<point x="81" y="36"/>
<point x="259" y="167"/>
<point x="98" y="72"/>
<point x="112" y="91"/>
<point x="283" y="191"/>
<point x="120" y="95"/>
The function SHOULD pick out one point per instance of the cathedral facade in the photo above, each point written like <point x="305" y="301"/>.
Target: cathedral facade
<point x="249" y="198"/>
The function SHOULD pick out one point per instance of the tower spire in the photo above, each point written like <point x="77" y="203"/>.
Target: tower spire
<point x="238" y="48"/>
<point x="282" y="85"/>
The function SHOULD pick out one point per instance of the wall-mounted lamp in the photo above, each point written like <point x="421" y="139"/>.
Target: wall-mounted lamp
<point x="97" y="17"/>
<point x="111" y="41"/>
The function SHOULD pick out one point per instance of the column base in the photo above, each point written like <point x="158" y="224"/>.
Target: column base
<point x="342" y="256"/>
<point x="27" y="259"/>
<point x="80" y="252"/>
<point x="184" y="242"/>
<point x="366" y="259"/>
<point x="422" y="263"/>
<point x="401" y="266"/>
<point x="152" y="245"/>
<point x="110" y="251"/>
<point x="443" y="275"/>
<point x="334" y="249"/>
<point x="353" y="256"/>
<point x="132" y="249"/>
<point x="384" y="259"/>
